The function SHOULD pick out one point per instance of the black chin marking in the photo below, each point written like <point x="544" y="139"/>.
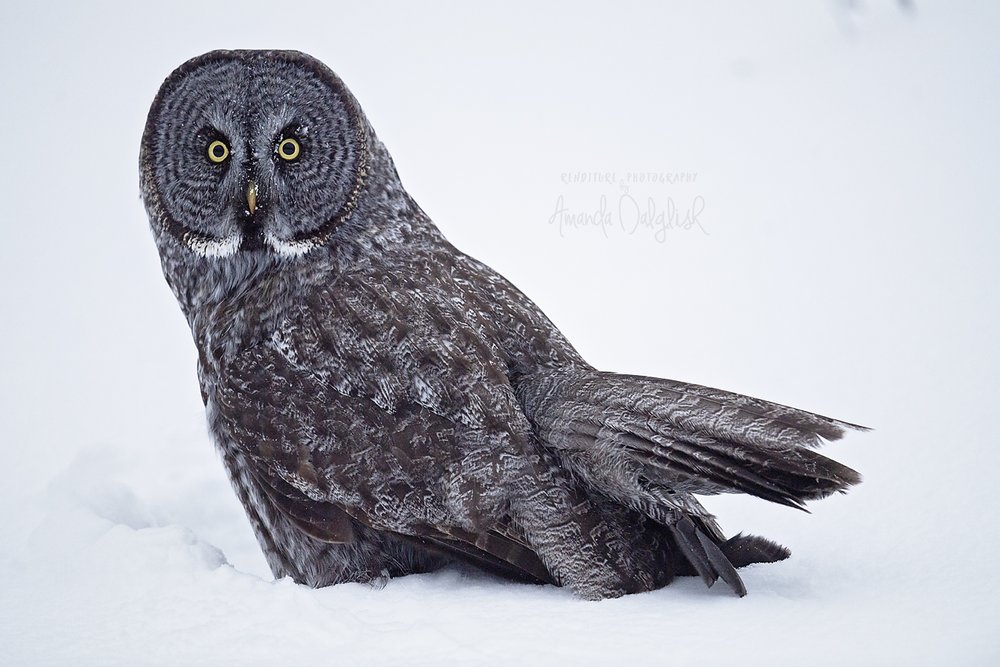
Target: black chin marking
<point x="252" y="241"/>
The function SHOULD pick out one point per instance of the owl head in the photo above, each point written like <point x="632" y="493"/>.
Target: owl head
<point x="252" y="152"/>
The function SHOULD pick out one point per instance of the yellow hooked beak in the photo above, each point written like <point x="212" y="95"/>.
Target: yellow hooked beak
<point x="251" y="197"/>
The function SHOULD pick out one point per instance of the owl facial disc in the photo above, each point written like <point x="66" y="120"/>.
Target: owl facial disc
<point x="253" y="151"/>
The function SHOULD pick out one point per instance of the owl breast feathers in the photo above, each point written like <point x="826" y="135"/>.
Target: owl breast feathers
<point x="385" y="404"/>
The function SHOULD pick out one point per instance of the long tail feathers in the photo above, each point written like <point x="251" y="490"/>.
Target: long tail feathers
<point x="705" y="556"/>
<point x="743" y="550"/>
<point x="651" y="443"/>
<point x="692" y="438"/>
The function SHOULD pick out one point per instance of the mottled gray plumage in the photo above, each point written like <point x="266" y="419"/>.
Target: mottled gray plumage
<point x="385" y="404"/>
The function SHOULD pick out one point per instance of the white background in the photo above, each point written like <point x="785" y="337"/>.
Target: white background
<point x="847" y="159"/>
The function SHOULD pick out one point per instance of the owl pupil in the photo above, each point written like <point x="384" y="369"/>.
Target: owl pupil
<point x="218" y="151"/>
<point x="288" y="148"/>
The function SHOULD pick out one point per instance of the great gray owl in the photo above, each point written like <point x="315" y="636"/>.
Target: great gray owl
<point x="385" y="404"/>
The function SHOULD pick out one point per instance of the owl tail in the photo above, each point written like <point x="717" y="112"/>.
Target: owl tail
<point x="650" y="443"/>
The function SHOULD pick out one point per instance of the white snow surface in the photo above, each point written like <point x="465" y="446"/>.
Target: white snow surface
<point x="846" y="156"/>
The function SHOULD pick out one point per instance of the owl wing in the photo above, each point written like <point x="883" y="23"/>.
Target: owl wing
<point x="377" y="402"/>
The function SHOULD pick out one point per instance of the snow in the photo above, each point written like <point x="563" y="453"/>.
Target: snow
<point x="844" y="262"/>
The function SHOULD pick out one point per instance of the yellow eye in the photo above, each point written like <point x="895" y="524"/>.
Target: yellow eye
<point x="289" y="149"/>
<point x="218" y="151"/>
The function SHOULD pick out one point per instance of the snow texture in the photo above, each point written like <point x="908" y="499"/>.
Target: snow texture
<point x="845" y="157"/>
